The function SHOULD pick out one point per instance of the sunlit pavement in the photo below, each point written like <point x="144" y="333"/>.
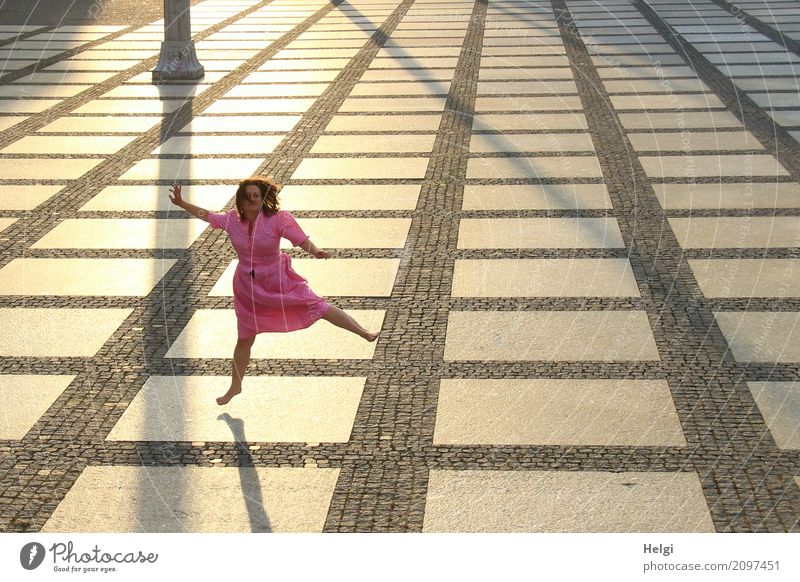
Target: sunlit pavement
<point x="576" y="224"/>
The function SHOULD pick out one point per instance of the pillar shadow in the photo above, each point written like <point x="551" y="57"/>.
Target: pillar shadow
<point x="156" y="340"/>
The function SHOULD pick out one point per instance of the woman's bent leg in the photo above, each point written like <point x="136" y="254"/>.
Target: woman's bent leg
<point x="341" y="319"/>
<point x="241" y="357"/>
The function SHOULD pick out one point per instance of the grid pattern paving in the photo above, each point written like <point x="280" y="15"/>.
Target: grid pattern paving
<point x="575" y="222"/>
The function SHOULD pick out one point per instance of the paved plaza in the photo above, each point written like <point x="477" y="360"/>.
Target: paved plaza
<point x="576" y="222"/>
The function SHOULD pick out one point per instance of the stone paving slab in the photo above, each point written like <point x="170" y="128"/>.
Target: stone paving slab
<point x="25" y="197"/>
<point x="122" y="233"/>
<point x="587" y="336"/>
<point x="278" y="90"/>
<point x="376" y="123"/>
<point x="765" y="83"/>
<point x="505" y="121"/>
<point x="747" y="277"/>
<point x="37" y="333"/>
<point x="277" y="409"/>
<point x="386" y="104"/>
<point x="77" y="65"/>
<point x="512" y="233"/>
<point x="151" y="198"/>
<point x="728" y="195"/>
<point x="190" y="169"/>
<point x="669" y="72"/>
<point x="786" y="118"/>
<point x="6" y="222"/>
<point x="25" y="398"/>
<point x="533" y="501"/>
<point x="373" y="143"/>
<point x="128" y="106"/>
<point x="361" y="168"/>
<point x="553" y="50"/>
<point x="483" y="104"/>
<point x="349" y="197"/>
<point x="32" y="168"/>
<point x="718" y="165"/>
<point x="535" y="142"/>
<point x="543" y="278"/>
<point x="216" y="144"/>
<point x="737" y="232"/>
<point x="83" y="277"/>
<point x="771" y="100"/>
<point x="26" y="106"/>
<point x="107" y="124"/>
<point x="421" y="87"/>
<point x="524" y="61"/>
<point x="526" y="73"/>
<point x="678" y="120"/>
<point x="527" y="87"/>
<point x="48" y="78"/>
<point x="195" y="499"/>
<point x="779" y="403"/>
<point x="407" y="74"/>
<point x="761" y="336"/>
<point x="536" y="197"/>
<point x="557" y="412"/>
<point x="7" y="122"/>
<point x="179" y="93"/>
<point x="687" y="141"/>
<point x="367" y="233"/>
<point x="241" y="123"/>
<point x="533" y="167"/>
<point x="56" y="144"/>
<point x="261" y="105"/>
<point x="299" y="65"/>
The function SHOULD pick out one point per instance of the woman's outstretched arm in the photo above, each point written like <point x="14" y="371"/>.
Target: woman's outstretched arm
<point x="176" y="199"/>
<point x="311" y="249"/>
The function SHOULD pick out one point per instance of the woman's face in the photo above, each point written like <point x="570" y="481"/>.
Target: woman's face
<point x="253" y="199"/>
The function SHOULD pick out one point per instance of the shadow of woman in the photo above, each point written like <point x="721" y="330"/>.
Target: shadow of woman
<point x="248" y="477"/>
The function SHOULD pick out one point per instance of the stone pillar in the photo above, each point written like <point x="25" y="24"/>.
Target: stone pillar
<point x="178" y="60"/>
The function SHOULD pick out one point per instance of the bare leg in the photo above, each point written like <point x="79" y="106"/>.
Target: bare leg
<point x="341" y="319"/>
<point x="241" y="357"/>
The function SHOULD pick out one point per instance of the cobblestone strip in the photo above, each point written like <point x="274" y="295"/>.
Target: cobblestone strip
<point x="37" y="121"/>
<point x="759" y="25"/>
<point x="42" y="467"/>
<point x="724" y="431"/>
<point x="397" y="411"/>
<point x="775" y="139"/>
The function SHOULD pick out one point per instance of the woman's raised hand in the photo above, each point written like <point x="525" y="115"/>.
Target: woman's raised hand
<point x="176" y="191"/>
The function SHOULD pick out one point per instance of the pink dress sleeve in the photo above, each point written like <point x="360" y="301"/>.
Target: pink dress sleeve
<point x="221" y="219"/>
<point x="291" y="230"/>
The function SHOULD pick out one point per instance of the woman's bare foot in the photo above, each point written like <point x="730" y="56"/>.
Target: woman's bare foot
<point x="371" y="337"/>
<point x="228" y="395"/>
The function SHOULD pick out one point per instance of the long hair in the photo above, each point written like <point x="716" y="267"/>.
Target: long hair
<point x="269" y="192"/>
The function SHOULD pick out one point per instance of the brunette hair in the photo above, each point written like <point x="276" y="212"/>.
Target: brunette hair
<point x="269" y="192"/>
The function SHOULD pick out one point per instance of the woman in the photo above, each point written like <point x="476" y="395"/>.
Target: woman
<point x="267" y="293"/>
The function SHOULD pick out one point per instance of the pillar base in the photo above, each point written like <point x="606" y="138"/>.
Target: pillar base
<point x="178" y="62"/>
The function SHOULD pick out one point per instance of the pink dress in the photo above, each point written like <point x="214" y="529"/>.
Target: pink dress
<point x="267" y="293"/>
